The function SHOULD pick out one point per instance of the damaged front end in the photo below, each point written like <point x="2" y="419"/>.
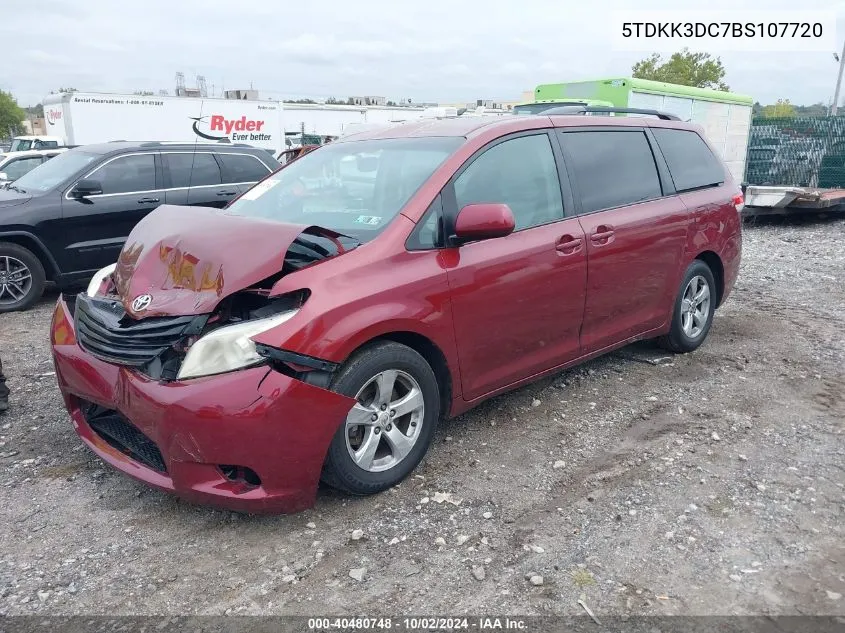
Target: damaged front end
<point x="180" y="306"/>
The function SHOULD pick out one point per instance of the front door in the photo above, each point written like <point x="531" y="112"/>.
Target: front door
<point x="635" y="234"/>
<point x="517" y="301"/>
<point x="95" y="228"/>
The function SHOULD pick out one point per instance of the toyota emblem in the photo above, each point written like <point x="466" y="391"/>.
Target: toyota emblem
<point x="141" y="302"/>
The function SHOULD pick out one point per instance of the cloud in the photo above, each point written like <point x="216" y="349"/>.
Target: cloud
<point x="437" y="50"/>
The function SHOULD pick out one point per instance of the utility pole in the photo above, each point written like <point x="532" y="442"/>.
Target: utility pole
<point x="838" y="82"/>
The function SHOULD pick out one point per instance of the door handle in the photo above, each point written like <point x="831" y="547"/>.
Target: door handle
<point x="567" y="245"/>
<point x="602" y="234"/>
<point x="147" y="200"/>
<point x="225" y="193"/>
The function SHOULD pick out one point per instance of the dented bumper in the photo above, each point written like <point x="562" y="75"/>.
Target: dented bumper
<point x="185" y="437"/>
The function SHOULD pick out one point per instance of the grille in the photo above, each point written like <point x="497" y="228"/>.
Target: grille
<point x="105" y="330"/>
<point x="119" y="433"/>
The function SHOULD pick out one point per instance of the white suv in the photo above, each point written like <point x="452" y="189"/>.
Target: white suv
<point x="16" y="164"/>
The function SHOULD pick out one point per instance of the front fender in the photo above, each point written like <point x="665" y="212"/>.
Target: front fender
<point x="331" y="328"/>
<point x="333" y="336"/>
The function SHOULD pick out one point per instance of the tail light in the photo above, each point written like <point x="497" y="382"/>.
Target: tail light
<point x="739" y="202"/>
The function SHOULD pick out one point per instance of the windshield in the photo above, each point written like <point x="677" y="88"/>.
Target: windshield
<point x="353" y="188"/>
<point x="55" y="171"/>
<point x="21" y="145"/>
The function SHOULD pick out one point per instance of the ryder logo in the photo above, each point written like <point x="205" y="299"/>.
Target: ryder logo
<point x="230" y="128"/>
<point x="53" y="116"/>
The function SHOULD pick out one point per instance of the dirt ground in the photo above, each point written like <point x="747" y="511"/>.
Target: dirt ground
<point x="709" y="483"/>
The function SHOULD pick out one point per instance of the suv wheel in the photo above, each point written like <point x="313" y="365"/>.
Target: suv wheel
<point x="694" y="308"/>
<point x="21" y="278"/>
<point x="388" y="432"/>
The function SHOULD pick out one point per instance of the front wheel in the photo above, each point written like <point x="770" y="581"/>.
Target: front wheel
<point x="22" y="278"/>
<point x="694" y="308"/>
<point x="388" y="431"/>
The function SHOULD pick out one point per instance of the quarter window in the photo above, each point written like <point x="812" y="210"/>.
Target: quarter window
<point x="691" y="163"/>
<point x="520" y="173"/>
<point x="612" y="168"/>
<point x="429" y="231"/>
<point x="243" y="168"/>
<point x="136" y="172"/>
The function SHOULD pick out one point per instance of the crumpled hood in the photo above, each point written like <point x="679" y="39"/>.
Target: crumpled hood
<point x="187" y="259"/>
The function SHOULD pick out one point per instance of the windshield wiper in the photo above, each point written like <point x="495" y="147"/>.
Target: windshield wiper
<point x="18" y="189"/>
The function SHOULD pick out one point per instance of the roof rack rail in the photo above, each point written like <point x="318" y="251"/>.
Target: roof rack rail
<point x="204" y="143"/>
<point x="665" y="116"/>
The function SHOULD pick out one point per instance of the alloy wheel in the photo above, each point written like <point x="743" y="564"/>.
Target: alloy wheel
<point x="695" y="306"/>
<point x="384" y="425"/>
<point x="15" y="280"/>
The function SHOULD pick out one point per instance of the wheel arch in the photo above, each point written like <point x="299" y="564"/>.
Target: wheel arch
<point x="36" y="247"/>
<point x="714" y="262"/>
<point x="432" y="354"/>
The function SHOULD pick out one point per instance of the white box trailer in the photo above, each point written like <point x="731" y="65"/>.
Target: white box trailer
<point x="335" y="119"/>
<point x="83" y="118"/>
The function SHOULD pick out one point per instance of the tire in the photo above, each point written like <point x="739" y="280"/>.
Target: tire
<point x="681" y="339"/>
<point x="379" y="468"/>
<point x="20" y="262"/>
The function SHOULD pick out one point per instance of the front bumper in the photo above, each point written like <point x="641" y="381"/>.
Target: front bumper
<point x="256" y="418"/>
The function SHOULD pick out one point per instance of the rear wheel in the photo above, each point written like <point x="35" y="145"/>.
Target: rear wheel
<point x="387" y="433"/>
<point x="694" y="308"/>
<point x="22" y="277"/>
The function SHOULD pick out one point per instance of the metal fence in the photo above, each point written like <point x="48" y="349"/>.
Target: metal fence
<point x="797" y="151"/>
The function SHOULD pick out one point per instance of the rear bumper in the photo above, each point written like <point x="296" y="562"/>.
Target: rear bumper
<point x="256" y="418"/>
<point x="731" y="260"/>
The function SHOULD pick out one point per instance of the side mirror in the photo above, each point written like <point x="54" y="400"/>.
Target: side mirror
<point x="484" y="221"/>
<point x="86" y="187"/>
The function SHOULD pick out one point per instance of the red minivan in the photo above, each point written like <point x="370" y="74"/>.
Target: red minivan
<point x="321" y="325"/>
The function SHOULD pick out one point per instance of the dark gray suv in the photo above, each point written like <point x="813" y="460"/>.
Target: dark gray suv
<point x="69" y="217"/>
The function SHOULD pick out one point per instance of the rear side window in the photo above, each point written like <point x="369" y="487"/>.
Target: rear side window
<point x="242" y="168"/>
<point x="132" y="173"/>
<point x="612" y="168"/>
<point x="691" y="163"/>
<point x="192" y="170"/>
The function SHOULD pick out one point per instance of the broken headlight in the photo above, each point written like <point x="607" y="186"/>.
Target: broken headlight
<point x="229" y="347"/>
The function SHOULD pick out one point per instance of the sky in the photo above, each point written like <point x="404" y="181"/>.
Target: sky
<point x="426" y="50"/>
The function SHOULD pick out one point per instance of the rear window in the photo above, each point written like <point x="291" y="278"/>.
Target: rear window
<point x="243" y="168"/>
<point x="691" y="163"/>
<point x="612" y="169"/>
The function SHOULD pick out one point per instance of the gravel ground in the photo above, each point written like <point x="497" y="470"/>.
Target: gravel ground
<point x="709" y="483"/>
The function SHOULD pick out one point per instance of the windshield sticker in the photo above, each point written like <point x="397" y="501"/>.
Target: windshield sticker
<point x="259" y="190"/>
<point x="372" y="220"/>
